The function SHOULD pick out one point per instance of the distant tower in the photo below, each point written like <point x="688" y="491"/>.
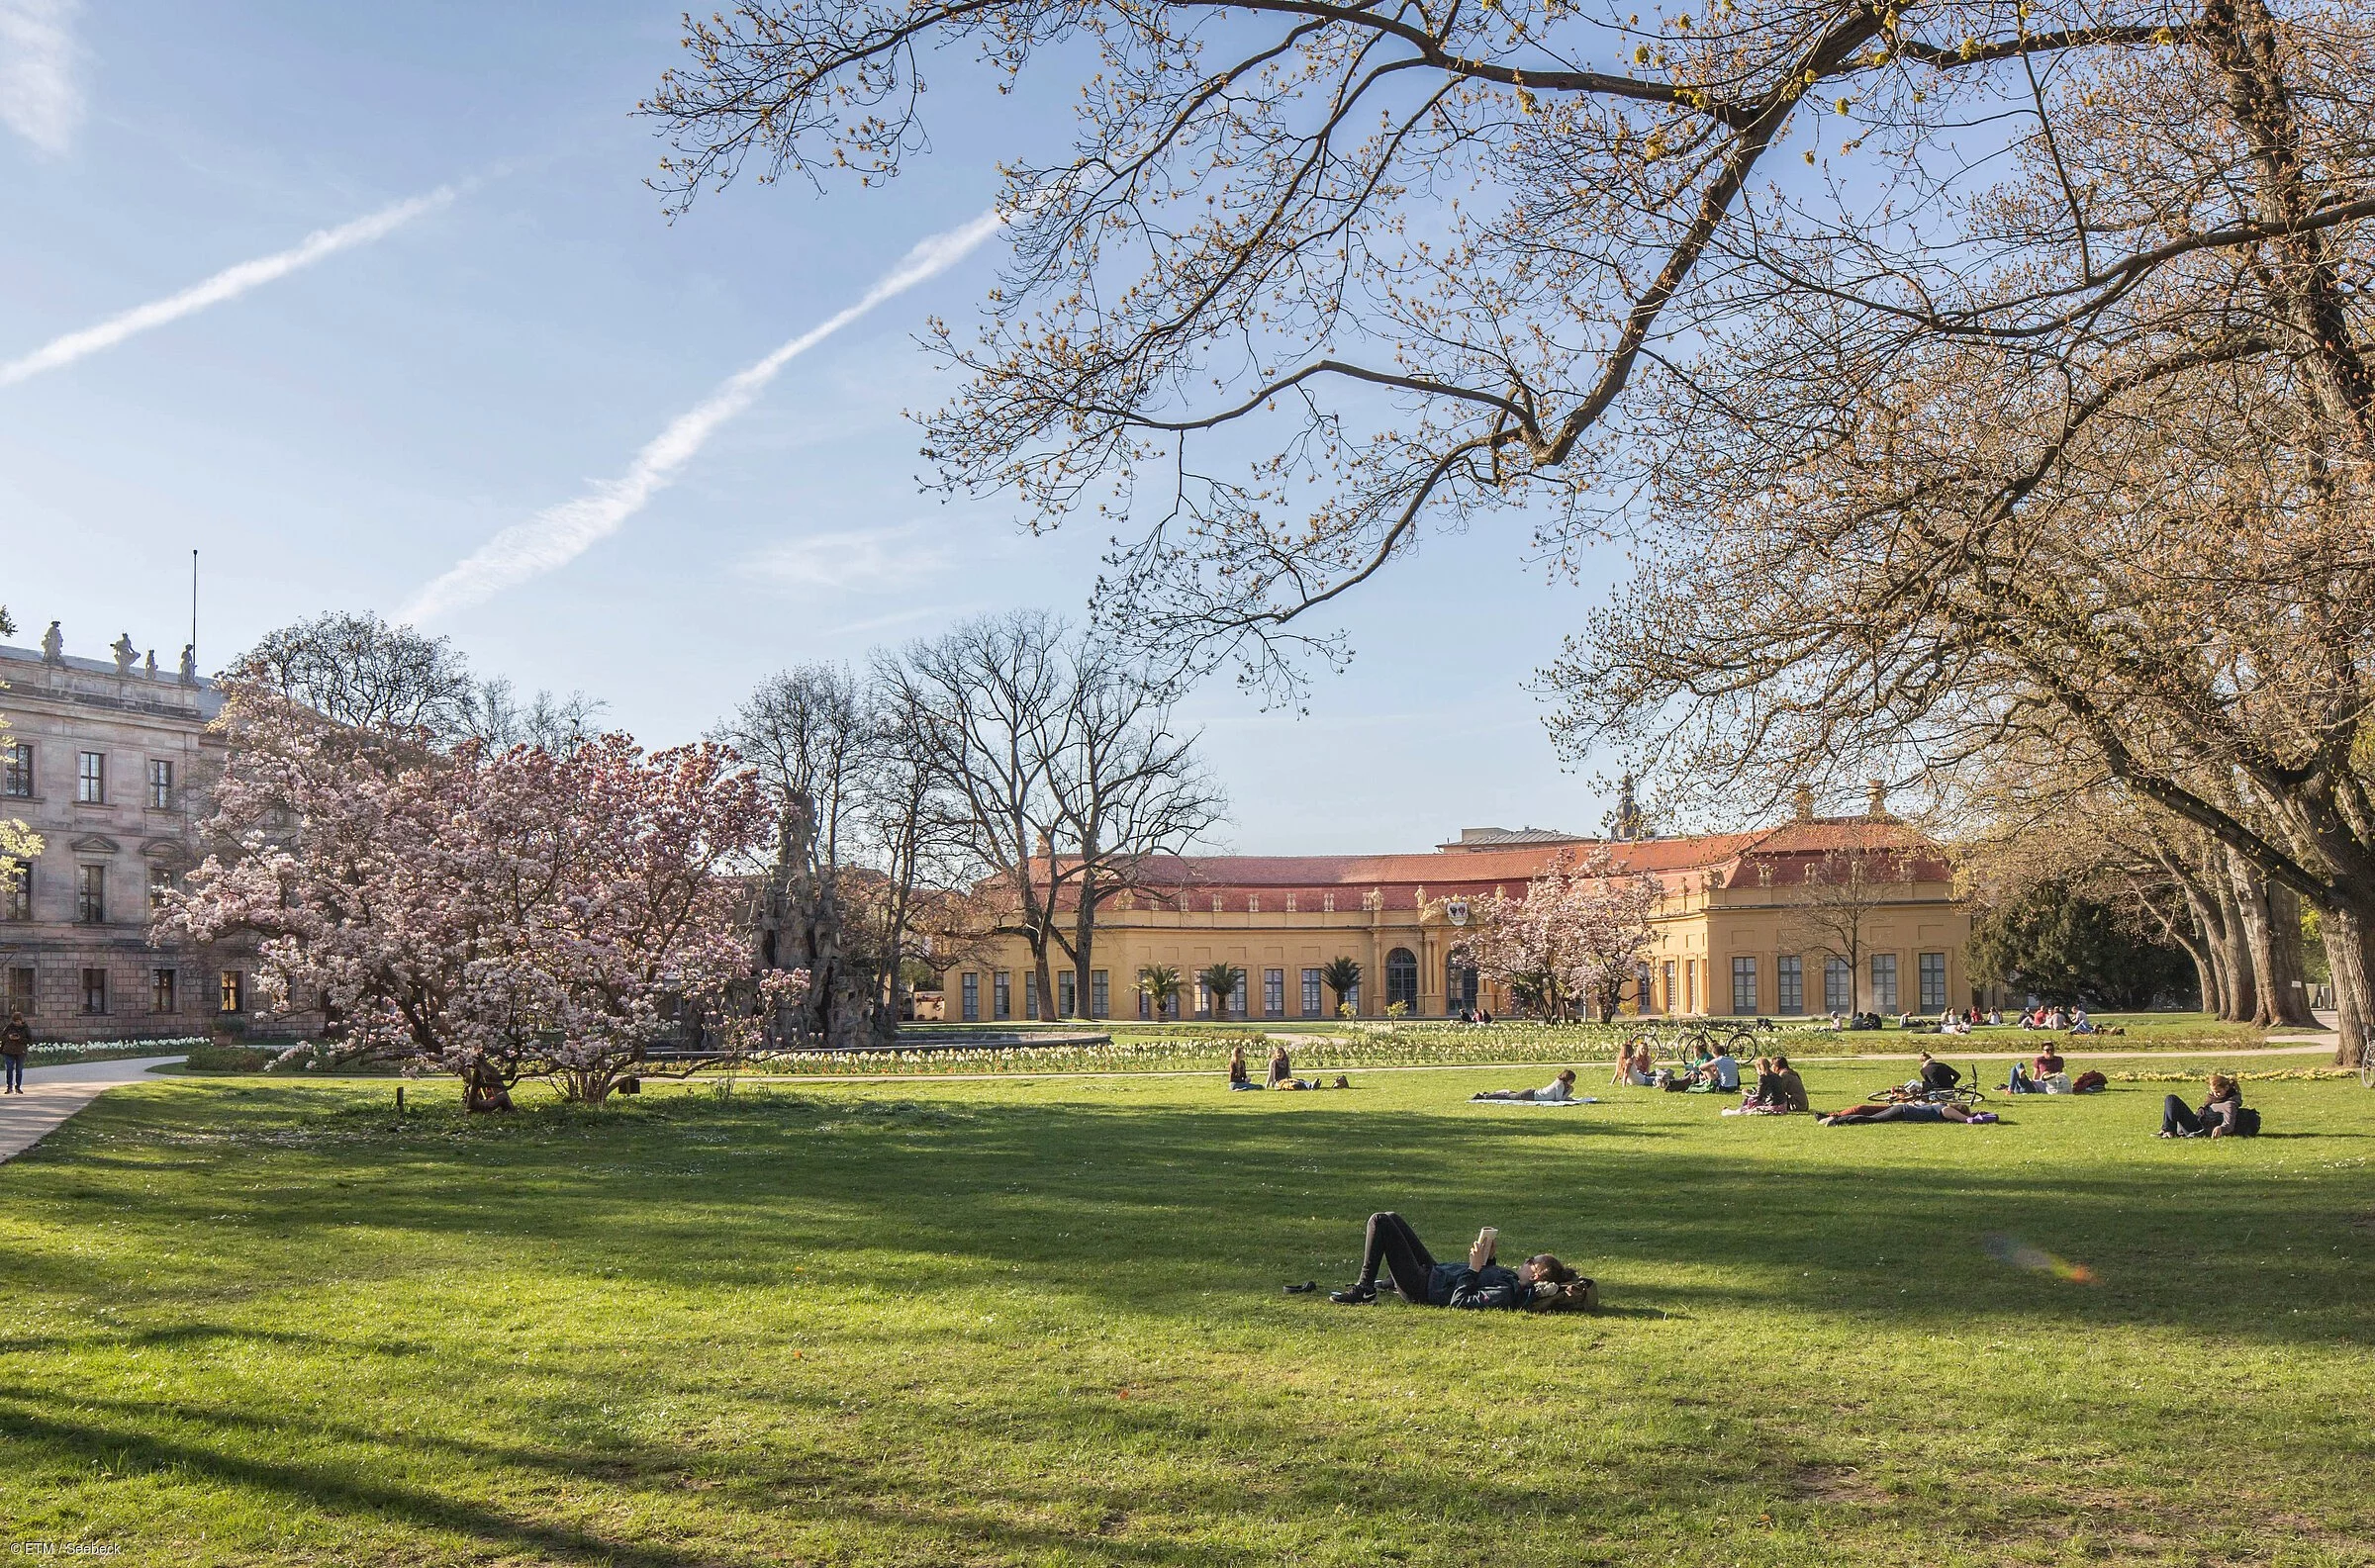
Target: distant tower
<point x="1625" y="821"/>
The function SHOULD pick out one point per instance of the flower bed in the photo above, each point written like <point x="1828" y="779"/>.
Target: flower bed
<point x="65" y="1052"/>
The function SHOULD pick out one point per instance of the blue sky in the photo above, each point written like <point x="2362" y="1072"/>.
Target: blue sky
<point x="343" y="435"/>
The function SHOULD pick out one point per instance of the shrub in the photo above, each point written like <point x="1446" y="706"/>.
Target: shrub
<point x="211" y="1058"/>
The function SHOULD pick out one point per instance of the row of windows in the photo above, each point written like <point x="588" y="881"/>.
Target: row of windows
<point x="1291" y="903"/>
<point x="90" y="892"/>
<point x="18" y="774"/>
<point x="164" y="991"/>
<point x="1882" y="995"/>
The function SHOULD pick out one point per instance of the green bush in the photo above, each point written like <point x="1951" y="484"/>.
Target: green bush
<point x="211" y="1058"/>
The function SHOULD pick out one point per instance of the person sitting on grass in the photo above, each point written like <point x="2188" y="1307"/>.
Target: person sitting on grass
<point x="1239" y="1078"/>
<point x="1935" y="1075"/>
<point x="1780" y="1087"/>
<point x="2080" y="1024"/>
<point x="1539" y="1284"/>
<point x="1281" y="1070"/>
<point x="1719" y="1072"/>
<point x="1633" y="1065"/>
<point x="1558" y="1091"/>
<point x="1859" y="1115"/>
<point x="2221" y="1115"/>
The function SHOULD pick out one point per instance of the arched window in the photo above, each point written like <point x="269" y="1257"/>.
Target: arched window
<point x="1401" y="978"/>
<point x="1459" y="983"/>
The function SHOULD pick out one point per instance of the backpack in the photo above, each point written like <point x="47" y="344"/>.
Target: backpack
<point x="2247" y="1122"/>
<point x="2089" y="1083"/>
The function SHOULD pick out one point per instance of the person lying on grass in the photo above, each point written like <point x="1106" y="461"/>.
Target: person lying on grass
<point x="1558" y="1090"/>
<point x="1860" y="1115"/>
<point x="1539" y="1284"/>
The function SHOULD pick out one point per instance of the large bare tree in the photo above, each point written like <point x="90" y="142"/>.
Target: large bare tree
<point x="1127" y="792"/>
<point x="808" y="733"/>
<point x="1318" y="280"/>
<point x="1062" y="770"/>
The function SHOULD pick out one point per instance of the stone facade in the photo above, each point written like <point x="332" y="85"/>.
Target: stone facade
<point x="104" y="759"/>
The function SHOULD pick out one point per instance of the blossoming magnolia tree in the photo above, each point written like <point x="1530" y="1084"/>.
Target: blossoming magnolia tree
<point x="490" y="914"/>
<point x="1572" y="940"/>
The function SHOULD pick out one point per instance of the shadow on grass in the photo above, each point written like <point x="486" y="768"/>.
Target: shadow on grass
<point x="1143" y="1206"/>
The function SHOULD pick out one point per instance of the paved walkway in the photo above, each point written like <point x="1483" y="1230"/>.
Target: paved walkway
<point x="52" y="1094"/>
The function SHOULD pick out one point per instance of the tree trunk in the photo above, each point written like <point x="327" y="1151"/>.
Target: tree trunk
<point x="1044" y="976"/>
<point x="2206" y="946"/>
<point x="1084" y="938"/>
<point x="2275" y="955"/>
<point x="2284" y="993"/>
<point x="2206" y="975"/>
<point x="2349" y="936"/>
<point x="2242" y="991"/>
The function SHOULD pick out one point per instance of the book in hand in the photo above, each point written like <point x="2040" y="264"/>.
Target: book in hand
<point x="1488" y="1240"/>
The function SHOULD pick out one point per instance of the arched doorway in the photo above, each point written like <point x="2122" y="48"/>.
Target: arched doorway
<point x="1459" y="983"/>
<point x="1401" y="979"/>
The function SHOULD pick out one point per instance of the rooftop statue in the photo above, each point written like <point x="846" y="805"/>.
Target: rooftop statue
<point x="53" y="646"/>
<point x="125" y="653"/>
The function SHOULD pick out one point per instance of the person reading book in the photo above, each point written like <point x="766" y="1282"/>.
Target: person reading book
<point x="1539" y="1284"/>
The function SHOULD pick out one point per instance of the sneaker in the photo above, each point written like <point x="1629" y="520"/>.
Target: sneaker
<point x="1354" y="1295"/>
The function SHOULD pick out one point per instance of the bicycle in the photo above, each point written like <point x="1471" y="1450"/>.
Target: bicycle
<point x="1966" y="1092"/>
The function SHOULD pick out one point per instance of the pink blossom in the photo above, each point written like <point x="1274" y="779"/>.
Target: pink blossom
<point x="491" y="914"/>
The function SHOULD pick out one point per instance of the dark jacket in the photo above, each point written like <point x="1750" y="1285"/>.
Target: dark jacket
<point x="1491" y="1287"/>
<point x="1936" y="1074"/>
<point x="1785" y="1087"/>
<point x="15" y="1039"/>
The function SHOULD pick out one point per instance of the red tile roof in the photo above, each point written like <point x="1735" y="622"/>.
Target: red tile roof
<point x="1472" y="872"/>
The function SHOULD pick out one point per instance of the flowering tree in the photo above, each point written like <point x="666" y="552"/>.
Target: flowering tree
<point x="1572" y="940"/>
<point x="490" y="914"/>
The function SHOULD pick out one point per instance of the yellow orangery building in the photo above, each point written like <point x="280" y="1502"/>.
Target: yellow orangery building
<point x="1749" y="924"/>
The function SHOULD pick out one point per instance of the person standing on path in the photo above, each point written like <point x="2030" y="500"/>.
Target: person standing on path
<point x="15" y="1039"/>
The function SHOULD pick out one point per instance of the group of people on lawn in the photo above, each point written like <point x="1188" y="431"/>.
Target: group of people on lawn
<point x="1392" y="1247"/>
<point x="1281" y="1072"/>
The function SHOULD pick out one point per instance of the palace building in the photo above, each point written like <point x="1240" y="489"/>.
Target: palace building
<point x="101" y="759"/>
<point x="1754" y="923"/>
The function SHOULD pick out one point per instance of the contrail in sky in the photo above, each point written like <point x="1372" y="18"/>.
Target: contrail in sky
<point x="559" y="534"/>
<point x="228" y="284"/>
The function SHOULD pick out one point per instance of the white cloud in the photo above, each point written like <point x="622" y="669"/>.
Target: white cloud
<point x="228" y="284"/>
<point x="557" y="536"/>
<point x="39" y="95"/>
<point x="857" y="561"/>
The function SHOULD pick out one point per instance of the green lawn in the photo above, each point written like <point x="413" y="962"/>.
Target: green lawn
<point x="249" y="1320"/>
<point x="1337" y="1045"/>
